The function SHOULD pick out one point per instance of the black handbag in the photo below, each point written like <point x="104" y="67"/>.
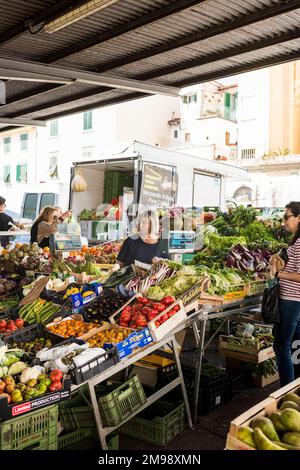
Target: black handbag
<point x="270" y="304"/>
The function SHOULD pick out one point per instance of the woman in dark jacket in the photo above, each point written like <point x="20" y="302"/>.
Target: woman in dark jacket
<point x="287" y="331"/>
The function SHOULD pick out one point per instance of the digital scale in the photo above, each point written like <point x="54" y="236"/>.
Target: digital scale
<point x="180" y="243"/>
<point x="66" y="238"/>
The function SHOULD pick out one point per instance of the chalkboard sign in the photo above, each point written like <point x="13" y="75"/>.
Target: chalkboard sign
<point x="159" y="187"/>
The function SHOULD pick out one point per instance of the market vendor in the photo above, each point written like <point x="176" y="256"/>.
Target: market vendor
<point x="5" y="221"/>
<point x="144" y="246"/>
<point x="46" y="225"/>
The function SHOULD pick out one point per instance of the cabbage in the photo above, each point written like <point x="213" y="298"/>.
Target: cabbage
<point x="17" y="368"/>
<point x="155" y="293"/>
<point x="188" y="271"/>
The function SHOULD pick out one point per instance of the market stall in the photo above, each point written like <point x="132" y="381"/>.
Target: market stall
<point x="82" y="317"/>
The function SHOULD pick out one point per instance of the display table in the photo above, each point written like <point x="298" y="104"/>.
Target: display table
<point x="14" y="233"/>
<point x="198" y="321"/>
<point x="126" y="362"/>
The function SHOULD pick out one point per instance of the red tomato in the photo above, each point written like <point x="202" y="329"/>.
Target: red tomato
<point x="145" y="310"/>
<point x="139" y="306"/>
<point x="52" y="387"/>
<point x="2" y="324"/>
<point x="164" y="318"/>
<point x="171" y="312"/>
<point x="159" y="307"/>
<point x="176" y="308"/>
<point x="19" y="322"/>
<point x="57" y="384"/>
<point x="125" y="316"/>
<point x="141" y="321"/>
<point x="56" y="375"/>
<point x="123" y="323"/>
<point x="168" y="300"/>
<point x="143" y="300"/>
<point x="13" y="328"/>
<point x="153" y="313"/>
<point x="157" y="323"/>
<point x="132" y="325"/>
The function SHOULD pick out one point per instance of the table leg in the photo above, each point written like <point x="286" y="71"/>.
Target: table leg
<point x="97" y="416"/>
<point x="183" y="389"/>
<point x="199" y="367"/>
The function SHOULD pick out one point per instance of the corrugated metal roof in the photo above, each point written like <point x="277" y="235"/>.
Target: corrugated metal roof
<point x="167" y="42"/>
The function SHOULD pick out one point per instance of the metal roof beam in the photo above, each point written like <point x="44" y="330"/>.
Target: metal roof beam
<point x="20" y="69"/>
<point x="49" y="14"/>
<point x="21" y="122"/>
<point x="226" y="54"/>
<point x="244" y="20"/>
<point x="152" y="17"/>
<point x="98" y="104"/>
<point x="58" y="102"/>
<point x="12" y="74"/>
<point x="259" y="64"/>
<point x="39" y="91"/>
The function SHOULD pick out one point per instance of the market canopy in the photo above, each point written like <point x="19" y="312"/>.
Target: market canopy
<point x="62" y="57"/>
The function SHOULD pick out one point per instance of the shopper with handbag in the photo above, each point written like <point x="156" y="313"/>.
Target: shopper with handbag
<point x="287" y="330"/>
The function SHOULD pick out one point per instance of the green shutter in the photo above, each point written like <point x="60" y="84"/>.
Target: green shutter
<point x="6" y="174"/>
<point x="227" y="100"/>
<point x="24" y="140"/>
<point x="18" y="174"/>
<point x="87" y="120"/>
<point x="24" y="173"/>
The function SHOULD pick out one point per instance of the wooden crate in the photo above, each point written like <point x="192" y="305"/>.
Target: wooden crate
<point x="264" y="408"/>
<point x="260" y="381"/>
<point x="244" y="353"/>
<point x="215" y="300"/>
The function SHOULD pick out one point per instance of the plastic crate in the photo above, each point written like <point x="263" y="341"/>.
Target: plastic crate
<point x="9" y="312"/>
<point x="121" y="402"/>
<point x="77" y="417"/>
<point x="215" y="385"/>
<point x="158" y="424"/>
<point x="94" y="367"/>
<point x="86" y="439"/>
<point x="35" y="431"/>
<point x="29" y="333"/>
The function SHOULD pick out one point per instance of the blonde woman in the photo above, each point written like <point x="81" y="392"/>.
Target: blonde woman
<point x="46" y="225"/>
<point x="144" y="246"/>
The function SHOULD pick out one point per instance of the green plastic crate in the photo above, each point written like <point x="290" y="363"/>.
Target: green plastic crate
<point x="77" y="417"/>
<point x="86" y="439"/>
<point x="122" y="402"/>
<point x="37" y="431"/>
<point x="158" y="424"/>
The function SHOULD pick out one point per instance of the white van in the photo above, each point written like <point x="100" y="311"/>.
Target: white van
<point x="33" y="203"/>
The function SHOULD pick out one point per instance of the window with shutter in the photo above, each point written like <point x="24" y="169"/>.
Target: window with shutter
<point x="6" y="174"/>
<point x="54" y="128"/>
<point x="24" y="142"/>
<point x="87" y="120"/>
<point x="18" y="174"/>
<point x="53" y="166"/>
<point x="6" y="142"/>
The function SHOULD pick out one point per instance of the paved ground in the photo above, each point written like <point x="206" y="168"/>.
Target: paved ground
<point x="211" y="430"/>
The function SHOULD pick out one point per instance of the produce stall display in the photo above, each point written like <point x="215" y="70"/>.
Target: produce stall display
<point x="122" y="311"/>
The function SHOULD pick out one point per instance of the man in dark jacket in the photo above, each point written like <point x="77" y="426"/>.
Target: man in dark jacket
<point x="5" y="221"/>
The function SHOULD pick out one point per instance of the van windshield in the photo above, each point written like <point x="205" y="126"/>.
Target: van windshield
<point x="47" y="199"/>
<point x="30" y="206"/>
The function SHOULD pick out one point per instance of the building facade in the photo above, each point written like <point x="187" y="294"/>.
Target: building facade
<point x="39" y="159"/>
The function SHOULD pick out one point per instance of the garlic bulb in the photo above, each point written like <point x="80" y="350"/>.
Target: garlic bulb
<point x="79" y="183"/>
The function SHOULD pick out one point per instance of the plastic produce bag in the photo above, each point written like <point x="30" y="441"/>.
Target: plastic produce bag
<point x="270" y="304"/>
